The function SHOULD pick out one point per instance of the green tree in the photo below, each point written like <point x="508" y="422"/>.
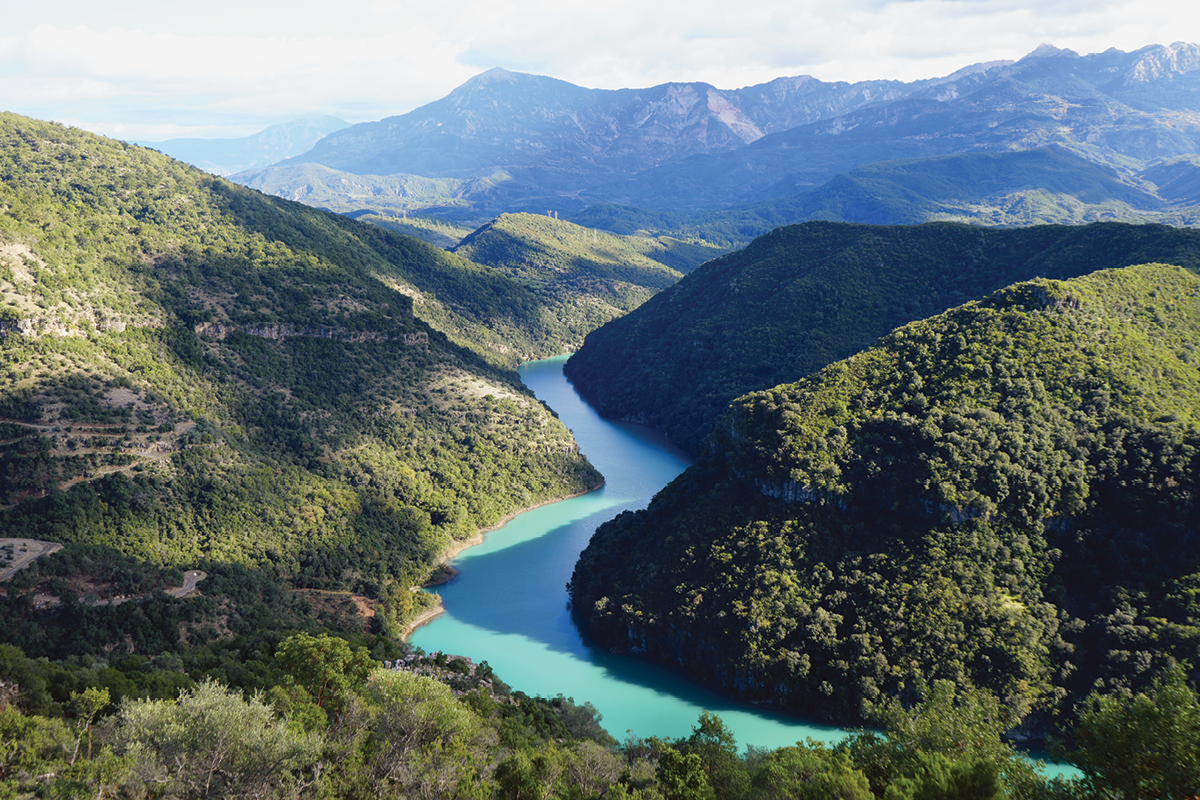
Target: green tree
<point x="86" y="707"/>
<point x="681" y="776"/>
<point x="716" y="746"/>
<point x="212" y="743"/>
<point x="324" y="666"/>
<point x="950" y="742"/>
<point x="422" y="740"/>
<point x="531" y="775"/>
<point x="809" y="772"/>
<point x="30" y="747"/>
<point x="1144" y="746"/>
<point x="937" y="776"/>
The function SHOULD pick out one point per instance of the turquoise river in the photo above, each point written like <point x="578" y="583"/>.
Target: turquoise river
<point x="508" y="605"/>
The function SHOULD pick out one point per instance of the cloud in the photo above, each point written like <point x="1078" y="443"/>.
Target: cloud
<point x="259" y="78"/>
<point x="243" y="64"/>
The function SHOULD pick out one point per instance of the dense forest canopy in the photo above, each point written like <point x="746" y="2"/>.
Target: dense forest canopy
<point x="1003" y="496"/>
<point x="194" y="374"/>
<point x="804" y="296"/>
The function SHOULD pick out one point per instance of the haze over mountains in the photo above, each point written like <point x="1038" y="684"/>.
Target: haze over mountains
<point x="275" y="143"/>
<point x="509" y="141"/>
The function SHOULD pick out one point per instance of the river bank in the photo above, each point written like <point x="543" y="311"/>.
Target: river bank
<point x="443" y="573"/>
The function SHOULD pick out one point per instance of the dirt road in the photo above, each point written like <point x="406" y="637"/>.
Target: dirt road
<point x="24" y="552"/>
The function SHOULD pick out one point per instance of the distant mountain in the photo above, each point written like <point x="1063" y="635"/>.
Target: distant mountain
<point x="1003" y="496"/>
<point x="571" y="136"/>
<point x="345" y="192"/>
<point x="1177" y="179"/>
<point x="227" y="156"/>
<point x="806" y="295"/>
<point x="1114" y="108"/>
<point x="538" y="143"/>
<point x="1022" y="187"/>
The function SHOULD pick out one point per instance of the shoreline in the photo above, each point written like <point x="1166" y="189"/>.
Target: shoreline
<point x="450" y="573"/>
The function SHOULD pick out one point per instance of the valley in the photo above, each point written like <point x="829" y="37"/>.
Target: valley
<point x="918" y="362"/>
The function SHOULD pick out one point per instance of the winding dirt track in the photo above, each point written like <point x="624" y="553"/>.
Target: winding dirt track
<point x="25" y="552"/>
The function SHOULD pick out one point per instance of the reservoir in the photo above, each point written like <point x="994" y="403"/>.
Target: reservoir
<point x="508" y="605"/>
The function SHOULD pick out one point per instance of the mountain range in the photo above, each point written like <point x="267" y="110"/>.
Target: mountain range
<point x="507" y="141"/>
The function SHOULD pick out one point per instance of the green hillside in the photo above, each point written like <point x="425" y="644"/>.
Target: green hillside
<point x="193" y="373"/>
<point x="323" y="187"/>
<point x="1004" y="496"/>
<point x="544" y="248"/>
<point x="442" y="233"/>
<point x="584" y="276"/>
<point x="1024" y="187"/>
<point x="806" y="295"/>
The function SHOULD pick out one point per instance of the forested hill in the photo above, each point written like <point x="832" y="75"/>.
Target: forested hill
<point x="1003" y="495"/>
<point x="806" y="295"/>
<point x="583" y="276"/>
<point x="193" y="373"/>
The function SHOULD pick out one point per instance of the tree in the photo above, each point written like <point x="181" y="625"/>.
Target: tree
<point x="325" y="667"/>
<point x="422" y="739"/>
<point x="809" y="772"/>
<point x="212" y="743"/>
<point x="949" y="743"/>
<point x="1144" y="746"/>
<point x="716" y="746"/>
<point x="681" y="776"/>
<point x="86" y="706"/>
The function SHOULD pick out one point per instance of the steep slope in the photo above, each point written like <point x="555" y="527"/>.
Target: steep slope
<point x="1004" y="495"/>
<point x="585" y="276"/>
<point x="1120" y="109"/>
<point x="593" y="283"/>
<point x="806" y="295"/>
<point x="515" y="121"/>
<point x="545" y="247"/>
<point x="193" y="372"/>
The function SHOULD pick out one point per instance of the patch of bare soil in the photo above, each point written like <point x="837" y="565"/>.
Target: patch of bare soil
<point x="16" y="554"/>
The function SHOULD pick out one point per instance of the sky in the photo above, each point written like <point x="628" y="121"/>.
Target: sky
<point x="148" y="70"/>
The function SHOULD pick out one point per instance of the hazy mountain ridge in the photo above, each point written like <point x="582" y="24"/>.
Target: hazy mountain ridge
<point x="275" y="143"/>
<point x="544" y="143"/>
<point x="502" y="119"/>
<point x="1120" y="109"/>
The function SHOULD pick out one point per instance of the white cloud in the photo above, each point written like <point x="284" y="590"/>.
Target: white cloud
<point x="134" y="66"/>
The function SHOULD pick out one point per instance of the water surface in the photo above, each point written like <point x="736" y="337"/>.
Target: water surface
<point x="508" y="605"/>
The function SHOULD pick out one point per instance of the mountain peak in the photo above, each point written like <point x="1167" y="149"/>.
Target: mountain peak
<point x="1160" y="62"/>
<point x="1047" y="50"/>
<point x="498" y="76"/>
